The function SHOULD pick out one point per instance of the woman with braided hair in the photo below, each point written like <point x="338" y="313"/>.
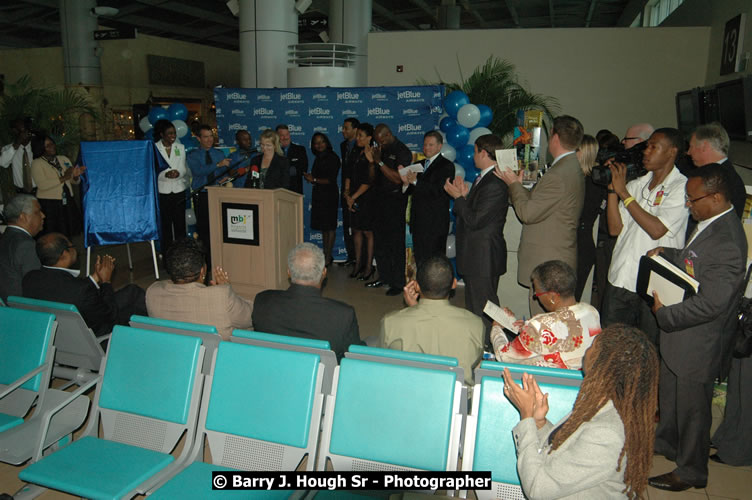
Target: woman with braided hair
<point x="604" y="447"/>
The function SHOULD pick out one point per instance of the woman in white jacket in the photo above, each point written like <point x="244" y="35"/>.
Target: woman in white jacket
<point x="172" y="183"/>
<point x="604" y="448"/>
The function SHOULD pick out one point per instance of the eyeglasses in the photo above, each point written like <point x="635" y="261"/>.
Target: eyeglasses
<point x="687" y="200"/>
<point x="538" y="294"/>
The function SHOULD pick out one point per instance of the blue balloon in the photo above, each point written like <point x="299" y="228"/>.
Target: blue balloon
<point x="177" y="111"/>
<point x="465" y="157"/>
<point x="157" y="113"/>
<point x="454" y="101"/>
<point x="457" y="136"/>
<point x="471" y="174"/>
<point x="446" y="123"/>
<point x="149" y="134"/>
<point x="486" y="116"/>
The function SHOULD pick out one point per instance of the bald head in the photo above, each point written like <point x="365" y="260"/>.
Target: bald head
<point x="51" y="249"/>
<point x="383" y="134"/>
<point x="636" y="134"/>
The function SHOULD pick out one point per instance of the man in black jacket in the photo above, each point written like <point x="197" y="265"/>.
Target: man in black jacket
<point x="57" y="281"/>
<point x="296" y="156"/>
<point x="301" y="311"/>
<point x="429" y="209"/>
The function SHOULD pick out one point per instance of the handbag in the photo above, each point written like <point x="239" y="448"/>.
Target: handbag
<point x="743" y="336"/>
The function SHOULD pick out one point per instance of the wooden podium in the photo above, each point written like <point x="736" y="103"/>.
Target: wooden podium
<point x="251" y="233"/>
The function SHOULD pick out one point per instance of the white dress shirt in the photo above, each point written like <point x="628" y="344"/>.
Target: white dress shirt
<point x="14" y="157"/>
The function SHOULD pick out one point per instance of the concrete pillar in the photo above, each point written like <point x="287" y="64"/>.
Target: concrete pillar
<point x="349" y="22"/>
<point x="266" y="29"/>
<point x="80" y="51"/>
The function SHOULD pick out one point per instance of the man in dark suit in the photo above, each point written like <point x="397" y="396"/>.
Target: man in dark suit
<point x="296" y="156"/>
<point x="17" y="255"/>
<point x="481" y="214"/>
<point x="710" y="144"/>
<point x="697" y="333"/>
<point x="57" y="281"/>
<point x="301" y="311"/>
<point x="348" y="153"/>
<point x="429" y="209"/>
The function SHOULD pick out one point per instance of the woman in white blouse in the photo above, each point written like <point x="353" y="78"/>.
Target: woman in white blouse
<point x="173" y="182"/>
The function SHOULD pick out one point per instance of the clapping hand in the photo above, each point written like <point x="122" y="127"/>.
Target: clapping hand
<point x="220" y="277"/>
<point x="103" y="268"/>
<point x="509" y="176"/>
<point x="528" y="399"/>
<point x="411" y="293"/>
<point x="457" y="188"/>
<point x="172" y="174"/>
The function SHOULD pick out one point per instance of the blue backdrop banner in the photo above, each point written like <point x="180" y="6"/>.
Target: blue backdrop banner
<point x="119" y="192"/>
<point x="409" y="112"/>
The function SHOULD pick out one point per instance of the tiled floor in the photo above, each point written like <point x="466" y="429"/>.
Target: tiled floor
<point x="725" y="482"/>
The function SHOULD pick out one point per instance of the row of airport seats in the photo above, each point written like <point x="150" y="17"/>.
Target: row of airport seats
<point x="268" y="402"/>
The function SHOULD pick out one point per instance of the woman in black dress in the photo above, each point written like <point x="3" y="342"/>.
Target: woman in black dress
<point x="360" y="202"/>
<point x="325" y="195"/>
<point x="594" y="205"/>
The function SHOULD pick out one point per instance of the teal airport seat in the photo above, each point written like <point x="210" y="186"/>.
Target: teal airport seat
<point x="147" y="399"/>
<point x="253" y="421"/>
<point x="26" y="360"/>
<point x="489" y="444"/>
<point x="385" y="416"/>
<point x="299" y="344"/>
<point x="207" y="333"/>
<point x="78" y="352"/>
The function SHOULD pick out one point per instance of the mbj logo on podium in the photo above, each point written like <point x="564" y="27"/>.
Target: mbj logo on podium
<point x="240" y="223"/>
<point x="237" y="219"/>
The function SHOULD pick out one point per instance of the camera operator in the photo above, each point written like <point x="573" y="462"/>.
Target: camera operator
<point x="646" y="212"/>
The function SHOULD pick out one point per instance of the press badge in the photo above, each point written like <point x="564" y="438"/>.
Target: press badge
<point x="658" y="198"/>
<point x="689" y="267"/>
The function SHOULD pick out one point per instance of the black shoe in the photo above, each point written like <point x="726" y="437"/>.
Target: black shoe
<point x="670" y="481"/>
<point x="715" y="458"/>
<point x="393" y="291"/>
<point x="375" y="284"/>
<point x="356" y="273"/>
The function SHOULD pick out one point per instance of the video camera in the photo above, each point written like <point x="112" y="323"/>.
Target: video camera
<point x="631" y="157"/>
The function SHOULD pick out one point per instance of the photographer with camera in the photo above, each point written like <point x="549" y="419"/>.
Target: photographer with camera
<point x="644" y="212"/>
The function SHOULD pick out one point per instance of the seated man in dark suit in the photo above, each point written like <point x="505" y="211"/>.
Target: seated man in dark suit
<point x="57" y="281"/>
<point x="17" y="255"/>
<point x="301" y="311"/>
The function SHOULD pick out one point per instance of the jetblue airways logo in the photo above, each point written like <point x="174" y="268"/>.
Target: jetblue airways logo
<point x="289" y="96"/>
<point x="320" y="97"/>
<point x="239" y="112"/>
<point x="263" y="97"/>
<point x="347" y="95"/>
<point x="263" y="112"/>
<point x="349" y="112"/>
<point x="378" y="111"/>
<point x="318" y="111"/>
<point x="291" y="112"/>
<point x="323" y="130"/>
<point x="236" y="96"/>
<point x="410" y="112"/>
<point x="408" y="94"/>
<point x="378" y="97"/>
<point x="295" y="128"/>
<point x="237" y="126"/>
<point x="409" y="127"/>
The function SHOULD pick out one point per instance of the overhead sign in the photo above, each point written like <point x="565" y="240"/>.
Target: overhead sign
<point x="118" y="34"/>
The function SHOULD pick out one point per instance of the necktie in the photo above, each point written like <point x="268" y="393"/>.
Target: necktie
<point x="477" y="180"/>
<point x="27" y="182"/>
<point x="208" y="159"/>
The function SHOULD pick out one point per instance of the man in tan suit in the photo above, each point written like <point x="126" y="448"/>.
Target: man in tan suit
<point x="186" y="298"/>
<point x="551" y="210"/>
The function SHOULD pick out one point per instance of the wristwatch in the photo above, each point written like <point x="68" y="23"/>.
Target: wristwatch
<point x="381" y="164"/>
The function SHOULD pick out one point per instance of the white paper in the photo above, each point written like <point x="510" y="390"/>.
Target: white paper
<point x="415" y="167"/>
<point x="502" y="317"/>
<point x="507" y="159"/>
<point x="668" y="292"/>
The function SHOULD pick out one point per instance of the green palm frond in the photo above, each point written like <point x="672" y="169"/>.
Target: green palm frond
<point x="496" y="85"/>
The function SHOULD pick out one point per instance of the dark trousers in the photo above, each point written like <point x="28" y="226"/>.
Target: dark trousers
<point x="427" y="244"/>
<point x="349" y="245"/>
<point x="130" y="300"/>
<point x="585" y="259"/>
<point x="478" y="290"/>
<point x="389" y="244"/>
<point x="172" y="212"/>
<point x="202" y="223"/>
<point x="622" y="306"/>
<point x="683" y="433"/>
<point x="603" y="251"/>
<point x="734" y="436"/>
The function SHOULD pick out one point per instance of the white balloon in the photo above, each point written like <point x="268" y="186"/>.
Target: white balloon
<point x="181" y="129"/>
<point x="477" y="132"/>
<point x="451" y="246"/>
<point x="459" y="170"/>
<point x="190" y="217"/>
<point x="144" y="124"/>
<point x="448" y="151"/>
<point x="468" y="115"/>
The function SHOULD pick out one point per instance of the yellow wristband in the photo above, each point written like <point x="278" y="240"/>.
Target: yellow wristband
<point x="628" y="201"/>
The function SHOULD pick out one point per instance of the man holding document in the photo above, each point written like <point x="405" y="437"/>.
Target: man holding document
<point x="697" y="333"/>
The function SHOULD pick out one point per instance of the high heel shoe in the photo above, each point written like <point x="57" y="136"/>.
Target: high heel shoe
<point x="366" y="277"/>
<point x="356" y="271"/>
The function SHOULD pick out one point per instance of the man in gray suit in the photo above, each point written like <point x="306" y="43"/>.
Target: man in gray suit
<point x="550" y="212"/>
<point x="696" y="334"/>
<point x="17" y="252"/>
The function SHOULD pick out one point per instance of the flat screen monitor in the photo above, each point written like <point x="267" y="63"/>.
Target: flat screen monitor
<point x="735" y="107"/>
